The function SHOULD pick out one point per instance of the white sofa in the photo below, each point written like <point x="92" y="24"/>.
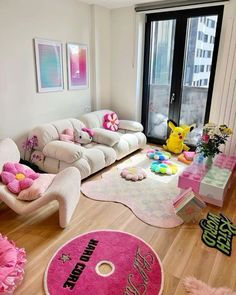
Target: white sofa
<point x="52" y="155"/>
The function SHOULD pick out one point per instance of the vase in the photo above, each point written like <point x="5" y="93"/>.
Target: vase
<point x="209" y="161"/>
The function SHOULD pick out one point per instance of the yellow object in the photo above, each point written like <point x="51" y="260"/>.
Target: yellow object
<point x="182" y="158"/>
<point x="20" y="176"/>
<point x="175" y="142"/>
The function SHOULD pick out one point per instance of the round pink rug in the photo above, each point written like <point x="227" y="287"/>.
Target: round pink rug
<point x="103" y="263"/>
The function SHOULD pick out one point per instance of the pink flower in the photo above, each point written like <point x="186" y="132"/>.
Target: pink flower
<point x="17" y="177"/>
<point x="205" y="138"/>
<point x="111" y="122"/>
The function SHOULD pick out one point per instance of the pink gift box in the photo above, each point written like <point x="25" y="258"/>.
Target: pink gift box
<point x="188" y="204"/>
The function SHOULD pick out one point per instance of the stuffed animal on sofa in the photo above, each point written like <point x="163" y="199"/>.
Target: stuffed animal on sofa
<point x="175" y="142"/>
<point x="83" y="136"/>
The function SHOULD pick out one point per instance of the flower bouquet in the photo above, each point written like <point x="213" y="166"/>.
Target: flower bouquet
<point x="213" y="136"/>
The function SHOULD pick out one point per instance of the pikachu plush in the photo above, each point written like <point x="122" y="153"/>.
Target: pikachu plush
<point x="175" y="142"/>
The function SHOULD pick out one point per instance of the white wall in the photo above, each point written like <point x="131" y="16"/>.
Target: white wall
<point x="21" y="107"/>
<point x="223" y="107"/>
<point x="123" y="69"/>
<point x="101" y="56"/>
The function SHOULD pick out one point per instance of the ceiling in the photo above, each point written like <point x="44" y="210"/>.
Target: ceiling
<point x="116" y="3"/>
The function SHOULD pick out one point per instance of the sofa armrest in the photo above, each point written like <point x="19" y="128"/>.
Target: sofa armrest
<point x="130" y="125"/>
<point x="63" y="151"/>
<point x="104" y="136"/>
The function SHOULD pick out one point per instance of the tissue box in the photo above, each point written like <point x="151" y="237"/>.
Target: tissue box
<point x="188" y="204"/>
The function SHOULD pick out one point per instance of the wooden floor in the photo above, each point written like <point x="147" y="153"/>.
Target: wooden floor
<point x="180" y="249"/>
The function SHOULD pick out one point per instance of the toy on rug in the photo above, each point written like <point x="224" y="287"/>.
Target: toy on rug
<point x="188" y="204"/>
<point x="175" y="142"/>
<point x="12" y="261"/>
<point x="196" y="287"/>
<point x="17" y="177"/>
<point x="186" y="157"/>
<point x="158" y="155"/>
<point x="166" y="167"/>
<point x="133" y="173"/>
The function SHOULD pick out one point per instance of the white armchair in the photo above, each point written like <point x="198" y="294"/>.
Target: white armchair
<point x="65" y="188"/>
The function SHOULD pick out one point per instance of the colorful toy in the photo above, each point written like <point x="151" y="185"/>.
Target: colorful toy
<point x="83" y="136"/>
<point x="189" y="155"/>
<point x="166" y="167"/>
<point x="111" y="122"/>
<point x="17" y="177"/>
<point x="175" y="142"/>
<point x="182" y="159"/>
<point x="158" y="155"/>
<point x="133" y="173"/>
<point x="188" y="204"/>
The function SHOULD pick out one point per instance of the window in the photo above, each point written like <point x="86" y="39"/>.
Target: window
<point x="212" y="39"/>
<point x="177" y="78"/>
<point x="208" y="68"/>
<point x="209" y="54"/>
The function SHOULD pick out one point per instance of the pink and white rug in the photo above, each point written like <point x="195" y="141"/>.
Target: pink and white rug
<point x="149" y="199"/>
<point x="103" y="263"/>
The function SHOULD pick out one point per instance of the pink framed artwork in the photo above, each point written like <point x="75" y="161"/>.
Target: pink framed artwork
<point x="77" y="66"/>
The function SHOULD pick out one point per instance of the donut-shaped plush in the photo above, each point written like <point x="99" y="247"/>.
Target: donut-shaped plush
<point x="158" y="155"/>
<point x="133" y="173"/>
<point x="165" y="167"/>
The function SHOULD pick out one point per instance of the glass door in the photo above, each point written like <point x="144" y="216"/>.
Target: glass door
<point x="180" y="59"/>
<point x="199" y="48"/>
<point x="160" y="76"/>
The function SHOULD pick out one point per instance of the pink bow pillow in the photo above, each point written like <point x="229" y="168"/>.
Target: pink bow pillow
<point x="111" y="122"/>
<point x="67" y="135"/>
<point x="17" y="177"/>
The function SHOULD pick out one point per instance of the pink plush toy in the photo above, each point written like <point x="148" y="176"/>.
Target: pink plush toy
<point x="12" y="261"/>
<point x="67" y="135"/>
<point x="17" y="177"/>
<point x="133" y="173"/>
<point x="81" y="136"/>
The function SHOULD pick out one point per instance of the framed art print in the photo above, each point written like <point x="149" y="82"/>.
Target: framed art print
<point x="77" y="66"/>
<point x="48" y="56"/>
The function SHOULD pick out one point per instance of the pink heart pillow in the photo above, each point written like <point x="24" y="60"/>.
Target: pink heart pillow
<point x="67" y="135"/>
<point x="111" y="122"/>
<point x="17" y="177"/>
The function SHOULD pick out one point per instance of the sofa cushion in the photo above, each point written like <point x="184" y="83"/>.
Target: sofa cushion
<point x="130" y="125"/>
<point x="106" y="137"/>
<point x="63" y="151"/>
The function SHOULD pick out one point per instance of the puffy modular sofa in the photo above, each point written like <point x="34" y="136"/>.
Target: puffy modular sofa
<point x="52" y="155"/>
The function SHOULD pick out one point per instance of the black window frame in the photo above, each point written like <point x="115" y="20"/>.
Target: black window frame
<point x="181" y="17"/>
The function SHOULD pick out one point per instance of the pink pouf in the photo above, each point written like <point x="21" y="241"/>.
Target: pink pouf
<point x="12" y="261"/>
